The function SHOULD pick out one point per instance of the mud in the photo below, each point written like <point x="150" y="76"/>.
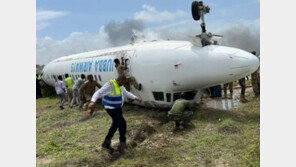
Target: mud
<point x="224" y="104"/>
<point x="228" y="130"/>
<point x="143" y="133"/>
<point x="134" y="138"/>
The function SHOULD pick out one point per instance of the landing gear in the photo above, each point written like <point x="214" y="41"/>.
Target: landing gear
<point x="198" y="11"/>
<point x="195" y="10"/>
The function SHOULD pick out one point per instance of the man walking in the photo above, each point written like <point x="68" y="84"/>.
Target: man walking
<point x="60" y="90"/>
<point x="69" y="86"/>
<point x="88" y="89"/>
<point x="113" y="94"/>
<point x="76" y="96"/>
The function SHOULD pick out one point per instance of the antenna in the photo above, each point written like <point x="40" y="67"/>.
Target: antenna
<point x="198" y="11"/>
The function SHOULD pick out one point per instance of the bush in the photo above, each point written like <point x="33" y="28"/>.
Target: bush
<point x="47" y="90"/>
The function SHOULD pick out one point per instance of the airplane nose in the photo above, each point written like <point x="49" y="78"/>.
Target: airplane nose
<point x="254" y="61"/>
<point x="251" y="60"/>
<point x="244" y="63"/>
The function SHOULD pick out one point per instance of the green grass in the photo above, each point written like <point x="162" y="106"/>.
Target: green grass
<point x="214" y="137"/>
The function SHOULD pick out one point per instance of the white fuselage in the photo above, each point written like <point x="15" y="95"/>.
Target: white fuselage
<point x="166" y="68"/>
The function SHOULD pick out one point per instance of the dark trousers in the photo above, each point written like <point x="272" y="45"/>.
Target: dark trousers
<point x="242" y="83"/>
<point x="119" y="122"/>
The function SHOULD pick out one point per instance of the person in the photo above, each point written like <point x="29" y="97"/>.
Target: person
<point x="69" y="87"/>
<point x="242" y="83"/>
<point x="121" y="69"/>
<point x="256" y="80"/>
<point x="181" y="112"/>
<point x="38" y="87"/>
<point x="113" y="94"/>
<point x="76" y="96"/>
<point x="60" y="90"/>
<point x="87" y="90"/>
<point x="230" y="86"/>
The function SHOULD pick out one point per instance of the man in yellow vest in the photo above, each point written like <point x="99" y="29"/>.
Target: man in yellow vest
<point x="69" y="87"/>
<point x="113" y="94"/>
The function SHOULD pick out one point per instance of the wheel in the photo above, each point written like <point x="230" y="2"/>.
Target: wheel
<point x="195" y="10"/>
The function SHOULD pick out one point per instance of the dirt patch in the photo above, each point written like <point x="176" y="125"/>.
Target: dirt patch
<point x="134" y="139"/>
<point x="61" y="125"/>
<point x="42" y="161"/>
<point x="228" y="130"/>
<point x="143" y="133"/>
<point x="40" y="109"/>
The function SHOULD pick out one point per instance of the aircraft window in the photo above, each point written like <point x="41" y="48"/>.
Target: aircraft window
<point x="158" y="96"/>
<point x="190" y="95"/>
<point x="100" y="77"/>
<point x="96" y="78"/>
<point x="168" y="97"/>
<point x="177" y="96"/>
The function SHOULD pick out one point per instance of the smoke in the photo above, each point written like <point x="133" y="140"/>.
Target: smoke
<point x="242" y="37"/>
<point x="120" y="33"/>
<point x="162" y="25"/>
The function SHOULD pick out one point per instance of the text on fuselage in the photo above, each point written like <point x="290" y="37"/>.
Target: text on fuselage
<point x="105" y="65"/>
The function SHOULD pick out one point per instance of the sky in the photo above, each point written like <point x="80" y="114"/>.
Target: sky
<point x="74" y="26"/>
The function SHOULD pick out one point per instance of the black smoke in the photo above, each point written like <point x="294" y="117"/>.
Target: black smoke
<point x="241" y="37"/>
<point x="120" y="33"/>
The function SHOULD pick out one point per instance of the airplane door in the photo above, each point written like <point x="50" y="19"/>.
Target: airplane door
<point x="128" y="56"/>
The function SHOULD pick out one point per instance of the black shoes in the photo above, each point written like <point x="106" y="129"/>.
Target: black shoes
<point x="106" y="145"/>
<point x="61" y="107"/>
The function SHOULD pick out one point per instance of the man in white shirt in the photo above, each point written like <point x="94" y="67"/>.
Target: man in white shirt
<point x="60" y="90"/>
<point x="113" y="94"/>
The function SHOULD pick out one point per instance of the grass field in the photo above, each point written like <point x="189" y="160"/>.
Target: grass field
<point x="214" y="138"/>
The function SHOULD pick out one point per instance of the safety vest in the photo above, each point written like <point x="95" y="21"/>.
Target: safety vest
<point x="69" y="82"/>
<point x="114" y="98"/>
